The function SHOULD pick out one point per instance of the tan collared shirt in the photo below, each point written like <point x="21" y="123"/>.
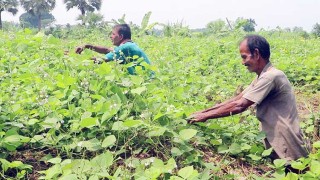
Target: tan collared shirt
<point x="276" y="110"/>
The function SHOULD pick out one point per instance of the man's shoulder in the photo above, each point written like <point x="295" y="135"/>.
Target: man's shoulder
<point x="274" y="73"/>
<point x="128" y="44"/>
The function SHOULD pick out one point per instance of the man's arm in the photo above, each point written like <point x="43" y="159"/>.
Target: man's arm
<point x="227" y="108"/>
<point x="223" y="103"/>
<point x="98" y="49"/>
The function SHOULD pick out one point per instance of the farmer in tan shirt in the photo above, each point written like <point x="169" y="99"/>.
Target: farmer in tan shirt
<point x="274" y="98"/>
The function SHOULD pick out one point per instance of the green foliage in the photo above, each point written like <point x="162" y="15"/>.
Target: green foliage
<point x="91" y="19"/>
<point x="97" y="121"/>
<point x="175" y="29"/>
<point x="316" y="30"/>
<point x="28" y="20"/>
<point x="38" y="8"/>
<point x="248" y="25"/>
<point x="83" y="5"/>
<point x="9" y="6"/>
<point x="216" y="27"/>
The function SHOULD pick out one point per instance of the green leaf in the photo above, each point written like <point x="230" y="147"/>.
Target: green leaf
<point x="315" y="167"/>
<point x="171" y="164"/>
<point x="94" y="177"/>
<point x="113" y="104"/>
<point x="81" y="166"/>
<point x="245" y="146"/>
<point x="109" y="141"/>
<point x="56" y="160"/>
<point x="133" y="123"/>
<point x="89" y="122"/>
<point x="176" y="151"/>
<point x="52" y="39"/>
<point x="92" y="145"/>
<point x="185" y="172"/>
<point x="316" y="144"/>
<point x="86" y="115"/>
<point x="254" y="157"/>
<point x="69" y="177"/>
<point x="53" y="172"/>
<point x="278" y="163"/>
<point x="309" y="129"/>
<point x="223" y="149"/>
<point x="102" y="161"/>
<point x="235" y="148"/>
<point x="267" y="152"/>
<point x="156" y="131"/>
<point x="32" y="122"/>
<point x="4" y="164"/>
<point x="298" y="165"/>
<point x="138" y="90"/>
<point x="118" y="126"/>
<point x="14" y="141"/>
<point x="152" y="173"/>
<point x="216" y="141"/>
<point x="261" y="136"/>
<point x="187" y="134"/>
<point x="104" y="69"/>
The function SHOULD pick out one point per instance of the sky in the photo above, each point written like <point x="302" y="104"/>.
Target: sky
<point x="268" y="14"/>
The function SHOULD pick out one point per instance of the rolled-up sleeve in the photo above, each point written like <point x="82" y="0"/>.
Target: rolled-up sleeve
<point x="258" y="91"/>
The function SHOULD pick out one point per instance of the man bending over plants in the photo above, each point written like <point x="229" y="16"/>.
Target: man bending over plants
<point x="273" y="96"/>
<point x="126" y="50"/>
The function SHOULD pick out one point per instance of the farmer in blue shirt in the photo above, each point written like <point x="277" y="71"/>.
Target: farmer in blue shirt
<point x="125" y="50"/>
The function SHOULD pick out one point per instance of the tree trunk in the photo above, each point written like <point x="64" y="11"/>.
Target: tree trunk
<point x="316" y="131"/>
<point x="83" y="13"/>
<point x="0" y="20"/>
<point x="39" y="22"/>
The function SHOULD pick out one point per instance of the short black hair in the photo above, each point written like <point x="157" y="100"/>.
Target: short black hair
<point x="260" y="43"/>
<point x="124" y="30"/>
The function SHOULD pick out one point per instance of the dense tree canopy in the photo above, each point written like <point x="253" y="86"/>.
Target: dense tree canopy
<point x="316" y="30"/>
<point x="38" y="8"/>
<point x="31" y="21"/>
<point x="84" y="5"/>
<point x="8" y="5"/>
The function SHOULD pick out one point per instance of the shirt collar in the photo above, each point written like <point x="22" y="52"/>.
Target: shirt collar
<point x="266" y="68"/>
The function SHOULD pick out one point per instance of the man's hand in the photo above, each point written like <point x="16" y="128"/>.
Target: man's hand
<point x="197" y="117"/>
<point x="80" y="49"/>
<point x="96" y="60"/>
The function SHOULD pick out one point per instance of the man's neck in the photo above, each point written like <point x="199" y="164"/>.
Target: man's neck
<point x="262" y="67"/>
<point x="125" y="40"/>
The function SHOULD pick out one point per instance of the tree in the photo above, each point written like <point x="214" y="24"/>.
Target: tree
<point x="248" y="25"/>
<point x="316" y="30"/>
<point x="8" y="5"/>
<point x="217" y="26"/>
<point x="29" y="20"/>
<point x="300" y="31"/>
<point x="92" y="19"/>
<point x="83" y="5"/>
<point x="38" y="8"/>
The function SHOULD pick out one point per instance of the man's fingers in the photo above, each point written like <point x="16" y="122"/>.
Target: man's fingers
<point x="191" y="120"/>
<point x="79" y="50"/>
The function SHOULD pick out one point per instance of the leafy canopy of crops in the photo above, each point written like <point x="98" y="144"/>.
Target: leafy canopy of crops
<point x="85" y="120"/>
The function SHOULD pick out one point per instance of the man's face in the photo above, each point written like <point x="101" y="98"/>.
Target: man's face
<point x="115" y="37"/>
<point x="248" y="59"/>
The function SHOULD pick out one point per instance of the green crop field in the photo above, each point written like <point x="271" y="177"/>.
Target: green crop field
<point x="64" y="117"/>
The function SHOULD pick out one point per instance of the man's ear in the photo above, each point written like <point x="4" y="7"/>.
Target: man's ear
<point x="256" y="52"/>
<point x="121" y="36"/>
